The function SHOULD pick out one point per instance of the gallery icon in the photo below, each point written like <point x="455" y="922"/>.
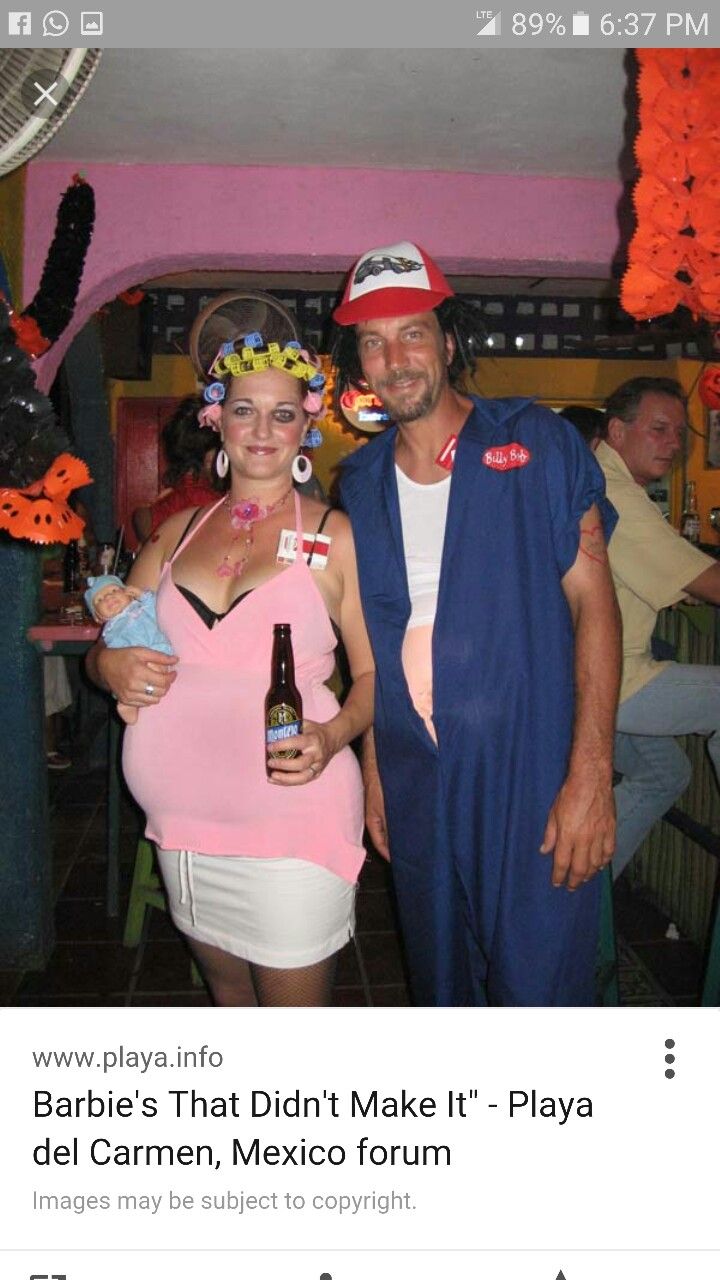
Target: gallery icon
<point x="55" y="23"/>
<point x="91" y="23"/>
<point x="19" y="24"/>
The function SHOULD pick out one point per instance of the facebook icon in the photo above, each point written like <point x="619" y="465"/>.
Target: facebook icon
<point x="19" y="24"/>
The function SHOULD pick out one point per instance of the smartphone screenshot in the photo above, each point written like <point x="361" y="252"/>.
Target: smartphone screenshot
<point x="359" y="648"/>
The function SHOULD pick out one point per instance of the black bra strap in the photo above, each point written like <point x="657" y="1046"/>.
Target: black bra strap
<point x="318" y="531"/>
<point x="321" y="525"/>
<point x="185" y="531"/>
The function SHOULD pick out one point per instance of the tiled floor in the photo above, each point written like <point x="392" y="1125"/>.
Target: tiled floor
<point x="90" y="966"/>
<point x="650" y="962"/>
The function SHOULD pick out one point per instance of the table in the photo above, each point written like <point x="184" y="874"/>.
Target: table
<point x="53" y="637"/>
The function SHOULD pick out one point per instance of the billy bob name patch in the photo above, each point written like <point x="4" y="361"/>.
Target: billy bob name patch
<point x="507" y="457"/>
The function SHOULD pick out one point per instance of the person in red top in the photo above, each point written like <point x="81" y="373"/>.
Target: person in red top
<point x="189" y="477"/>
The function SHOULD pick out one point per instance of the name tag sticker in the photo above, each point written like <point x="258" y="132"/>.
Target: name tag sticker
<point x="446" y="456"/>
<point x="506" y="457"/>
<point x="315" y="544"/>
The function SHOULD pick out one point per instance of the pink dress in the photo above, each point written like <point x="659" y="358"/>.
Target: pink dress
<point x="196" y="762"/>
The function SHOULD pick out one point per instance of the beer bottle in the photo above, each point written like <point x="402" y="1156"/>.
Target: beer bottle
<point x="71" y="568"/>
<point x="283" y="704"/>
<point x="690" y="519"/>
<point x="83" y="559"/>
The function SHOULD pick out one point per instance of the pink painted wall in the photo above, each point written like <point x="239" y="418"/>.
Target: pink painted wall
<point x="156" y="219"/>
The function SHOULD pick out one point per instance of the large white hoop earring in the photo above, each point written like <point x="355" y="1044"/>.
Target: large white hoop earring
<point x="222" y="462"/>
<point x="301" y="468"/>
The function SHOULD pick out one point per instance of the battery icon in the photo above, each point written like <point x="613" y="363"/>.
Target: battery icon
<point x="581" y="24"/>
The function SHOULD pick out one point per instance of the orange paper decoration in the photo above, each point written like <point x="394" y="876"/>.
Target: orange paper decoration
<point x="703" y="155"/>
<point x="28" y="335"/>
<point x="665" y="208"/>
<point x="709" y="386"/>
<point x="41" y="512"/>
<point x="656" y="154"/>
<point x="706" y="301"/>
<point x="677" y="197"/>
<point x="645" y="294"/>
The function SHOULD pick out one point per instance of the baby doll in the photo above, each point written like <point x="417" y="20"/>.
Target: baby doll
<point x="129" y="618"/>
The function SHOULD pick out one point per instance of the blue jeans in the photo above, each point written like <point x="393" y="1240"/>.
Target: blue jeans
<point x="681" y="699"/>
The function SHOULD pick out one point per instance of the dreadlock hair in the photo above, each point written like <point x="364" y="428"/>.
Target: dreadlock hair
<point x="456" y="317"/>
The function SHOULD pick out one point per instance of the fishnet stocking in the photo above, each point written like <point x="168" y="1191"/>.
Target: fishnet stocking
<point x="235" y="983"/>
<point x="227" y="976"/>
<point x="309" y="986"/>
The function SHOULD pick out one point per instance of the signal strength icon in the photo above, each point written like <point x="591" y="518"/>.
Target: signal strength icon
<point x="491" y="23"/>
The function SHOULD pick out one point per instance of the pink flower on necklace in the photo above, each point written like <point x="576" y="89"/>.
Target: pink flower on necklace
<point x="246" y="512"/>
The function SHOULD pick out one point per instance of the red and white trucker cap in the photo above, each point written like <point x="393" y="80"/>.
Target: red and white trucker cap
<point x="395" y="281"/>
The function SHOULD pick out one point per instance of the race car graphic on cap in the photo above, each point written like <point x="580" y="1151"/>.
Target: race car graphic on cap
<point x="395" y="280"/>
<point x="377" y="263"/>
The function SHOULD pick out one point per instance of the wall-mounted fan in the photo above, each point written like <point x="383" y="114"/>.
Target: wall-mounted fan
<point x="38" y="90"/>
<point x="231" y="316"/>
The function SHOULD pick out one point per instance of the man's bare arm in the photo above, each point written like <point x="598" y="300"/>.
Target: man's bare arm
<point x="581" y="827"/>
<point x="706" y="586"/>
<point x="374" y="800"/>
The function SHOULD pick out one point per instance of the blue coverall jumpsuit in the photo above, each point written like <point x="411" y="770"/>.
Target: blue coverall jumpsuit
<point x="480" y="919"/>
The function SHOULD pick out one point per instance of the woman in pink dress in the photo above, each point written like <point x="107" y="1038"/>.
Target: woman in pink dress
<point x="259" y="871"/>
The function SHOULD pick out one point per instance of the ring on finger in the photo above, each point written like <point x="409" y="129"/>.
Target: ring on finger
<point x="313" y="767"/>
<point x="149" y="690"/>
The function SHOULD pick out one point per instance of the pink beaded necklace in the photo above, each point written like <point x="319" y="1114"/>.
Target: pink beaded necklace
<point x="243" y="514"/>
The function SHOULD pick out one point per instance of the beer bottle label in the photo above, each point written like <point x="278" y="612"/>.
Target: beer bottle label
<point x="282" y="723"/>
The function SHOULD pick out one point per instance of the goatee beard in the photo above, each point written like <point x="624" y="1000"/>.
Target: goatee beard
<point x="411" y="412"/>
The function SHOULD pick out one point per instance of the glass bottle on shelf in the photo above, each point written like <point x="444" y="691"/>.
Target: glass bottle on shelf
<point x="83" y="559"/>
<point x="71" y="608"/>
<point x="71" y="568"/>
<point x="690" y="518"/>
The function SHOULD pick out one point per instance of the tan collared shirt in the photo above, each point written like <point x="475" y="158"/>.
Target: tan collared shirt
<point x="651" y="565"/>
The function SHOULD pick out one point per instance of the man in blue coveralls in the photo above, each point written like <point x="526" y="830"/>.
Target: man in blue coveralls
<point x="479" y="533"/>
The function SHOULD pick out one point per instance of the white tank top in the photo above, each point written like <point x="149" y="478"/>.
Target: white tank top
<point x="423" y="513"/>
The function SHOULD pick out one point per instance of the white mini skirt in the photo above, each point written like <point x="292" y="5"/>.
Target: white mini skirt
<point x="279" y="912"/>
